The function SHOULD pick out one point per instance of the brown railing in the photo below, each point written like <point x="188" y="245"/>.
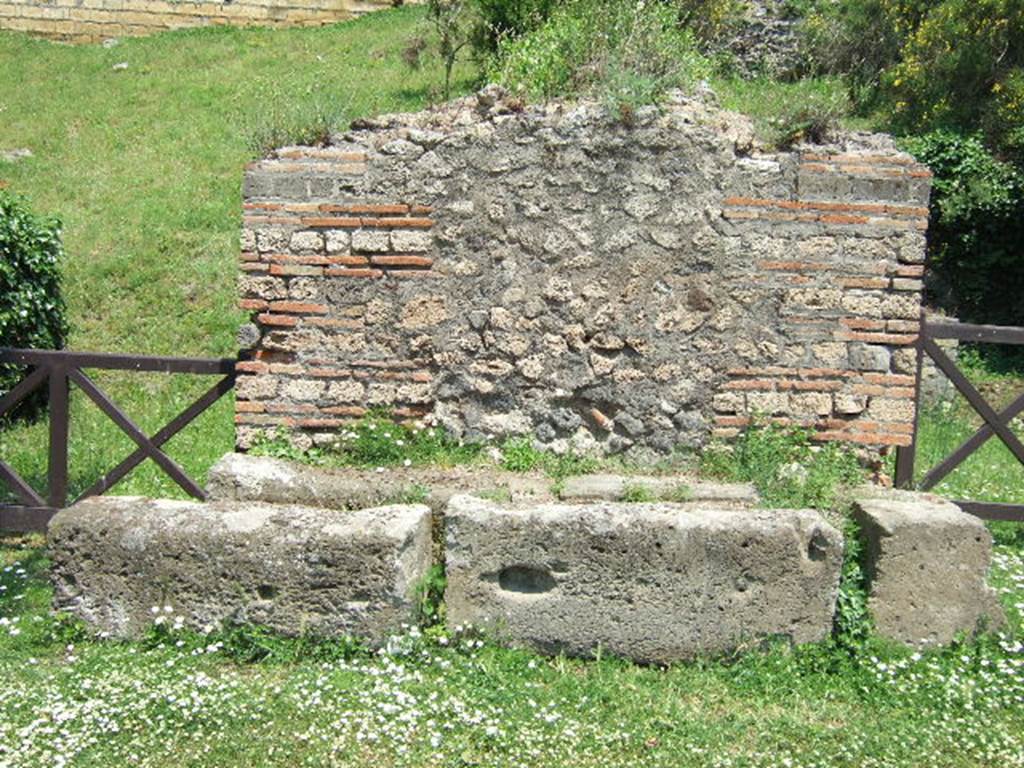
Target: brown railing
<point x="58" y="370"/>
<point x="996" y="423"/>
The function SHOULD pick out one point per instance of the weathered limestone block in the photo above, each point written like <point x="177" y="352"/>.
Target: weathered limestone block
<point x="650" y="582"/>
<point x="240" y="477"/>
<point x="667" y="488"/>
<point x="926" y="567"/>
<point x="290" y="568"/>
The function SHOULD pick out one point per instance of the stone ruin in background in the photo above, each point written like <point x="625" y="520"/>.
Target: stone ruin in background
<point x="553" y="271"/>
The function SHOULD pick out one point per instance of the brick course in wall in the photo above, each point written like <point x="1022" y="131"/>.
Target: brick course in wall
<point x="549" y="271"/>
<point x="95" y="20"/>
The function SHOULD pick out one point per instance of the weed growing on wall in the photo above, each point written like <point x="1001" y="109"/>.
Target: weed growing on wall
<point x="637" y="493"/>
<point x="627" y="53"/>
<point x="377" y="440"/>
<point x="785" y="466"/>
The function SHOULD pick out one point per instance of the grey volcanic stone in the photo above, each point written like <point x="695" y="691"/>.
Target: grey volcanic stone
<point x="293" y="569"/>
<point x="670" y="488"/>
<point x="241" y="477"/>
<point x="926" y="567"/>
<point x="650" y="582"/>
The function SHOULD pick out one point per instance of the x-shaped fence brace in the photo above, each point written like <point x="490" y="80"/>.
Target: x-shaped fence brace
<point x="996" y="423"/>
<point x="59" y="369"/>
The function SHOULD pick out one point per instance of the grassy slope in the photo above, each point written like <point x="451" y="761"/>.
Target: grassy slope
<point x="144" y="166"/>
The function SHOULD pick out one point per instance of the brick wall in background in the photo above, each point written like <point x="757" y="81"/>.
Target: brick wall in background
<point x="550" y="271"/>
<point x="96" y="20"/>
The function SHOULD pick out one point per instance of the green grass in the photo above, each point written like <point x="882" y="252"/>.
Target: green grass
<point x="144" y="166"/>
<point x="446" y="698"/>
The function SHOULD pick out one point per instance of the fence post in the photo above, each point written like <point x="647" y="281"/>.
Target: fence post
<point x="59" y="418"/>
<point x="906" y="454"/>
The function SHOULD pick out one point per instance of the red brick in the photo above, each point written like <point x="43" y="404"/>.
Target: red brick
<point x="381" y="209"/>
<point x="286" y="321"/>
<point x="890" y="378"/>
<point x="732" y="421"/>
<point x="401" y="261"/>
<point x="863" y="282"/>
<point x="252" y="304"/>
<point x="811" y="373"/>
<point x="346" y="410"/>
<point x="244" y="406"/>
<point x="288" y="258"/>
<point x="251" y="366"/>
<point x="897" y="339"/>
<point x="909" y="270"/>
<point x="286" y="369"/>
<point x="836" y="218"/>
<point x="291" y="408"/>
<point x="329" y="373"/>
<point x="321" y="423"/>
<point x="390" y="223"/>
<point x="349" y="261"/>
<point x="294" y="270"/>
<point x="298" y="307"/>
<point x="333" y="222"/>
<point x="821" y="385"/>
<point x="862" y="324"/>
<point x="749" y="384"/>
<point x="255" y="267"/>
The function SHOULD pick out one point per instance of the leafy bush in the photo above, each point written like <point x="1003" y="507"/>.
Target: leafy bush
<point x="500" y="20"/>
<point x="32" y="311"/>
<point x="785" y="467"/>
<point x="859" y="39"/>
<point x="961" y="67"/>
<point x="628" y="53"/>
<point x="976" y="229"/>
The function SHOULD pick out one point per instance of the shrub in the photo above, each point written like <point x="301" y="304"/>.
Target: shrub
<point x="500" y="20"/>
<point x="628" y="53"/>
<point x="977" y="226"/>
<point x="953" y="64"/>
<point x="32" y="311"/>
<point x="960" y="67"/>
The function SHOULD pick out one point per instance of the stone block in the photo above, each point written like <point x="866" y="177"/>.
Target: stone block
<point x="290" y="568"/>
<point x="649" y="582"/>
<point x="926" y="563"/>
<point x="668" y="488"/>
<point x="240" y="477"/>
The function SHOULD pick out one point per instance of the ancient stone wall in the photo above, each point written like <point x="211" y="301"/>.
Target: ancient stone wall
<point x="556" y="272"/>
<point x="95" y="20"/>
